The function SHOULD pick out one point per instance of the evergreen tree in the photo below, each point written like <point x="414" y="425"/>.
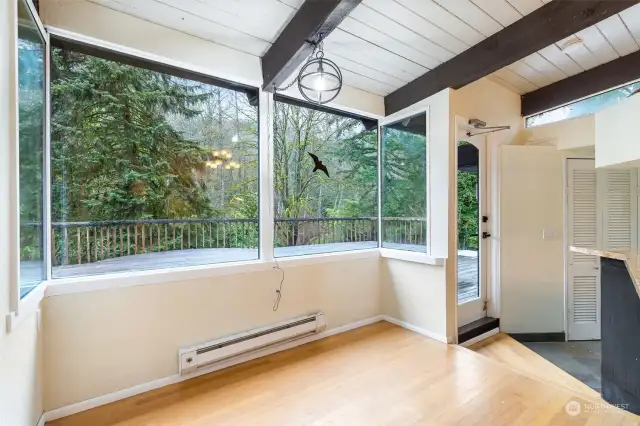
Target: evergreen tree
<point x="114" y="153"/>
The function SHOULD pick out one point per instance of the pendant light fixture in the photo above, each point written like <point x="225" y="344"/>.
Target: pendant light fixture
<point x="320" y="79"/>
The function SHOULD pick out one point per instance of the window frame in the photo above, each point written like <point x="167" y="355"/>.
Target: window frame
<point x="527" y="118"/>
<point x="411" y="256"/>
<point x="61" y="286"/>
<point x="123" y="55"/>
<point x="22" y="308"/>
<point x="266" y="194"/>
<point x="370" y="120"/>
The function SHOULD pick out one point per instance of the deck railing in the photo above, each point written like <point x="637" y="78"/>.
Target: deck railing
<point x="87" y="242"/>
<point x="404" y="230"/>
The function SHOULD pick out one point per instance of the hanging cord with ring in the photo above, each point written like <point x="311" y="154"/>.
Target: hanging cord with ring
<point x="317" y="50"/>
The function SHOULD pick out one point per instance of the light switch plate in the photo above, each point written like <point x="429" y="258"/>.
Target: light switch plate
<point x="549" y="234"/>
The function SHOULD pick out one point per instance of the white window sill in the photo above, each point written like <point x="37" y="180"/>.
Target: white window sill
<point x="61" y="286"/>
<point x="28" y="306"/>
<point x="411" y="256"/>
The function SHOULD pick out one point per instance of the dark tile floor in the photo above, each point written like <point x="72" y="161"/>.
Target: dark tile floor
<point x="580" y="359"/>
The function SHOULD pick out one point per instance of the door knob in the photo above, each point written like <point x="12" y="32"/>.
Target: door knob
<point x="485" y="235"/>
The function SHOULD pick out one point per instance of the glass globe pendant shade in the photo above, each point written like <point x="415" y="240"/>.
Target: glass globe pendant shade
<point x="320" y="80"/>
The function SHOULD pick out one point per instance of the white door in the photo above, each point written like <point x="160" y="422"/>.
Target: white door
<point x="601" y="213"/>
<point x="583" y="271"/>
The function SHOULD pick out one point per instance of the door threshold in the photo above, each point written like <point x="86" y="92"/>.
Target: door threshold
<point x="478" y="330"/>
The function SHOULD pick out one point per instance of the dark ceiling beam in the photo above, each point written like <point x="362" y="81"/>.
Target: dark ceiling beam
<point x="314" y="19"/>
<point x="612" y="74"/>
<point x="548" y="24"/>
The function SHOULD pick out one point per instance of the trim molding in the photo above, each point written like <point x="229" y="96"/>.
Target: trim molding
<point x="539" y="337"/>
<point x="42" y="420"/>
<point x="411" y="327"/>
<point x="176" y="378"/>
<point x="480" y="338"/>
<point x="62" y="286"/>
<point x="27" y="307"/>
<point x="411" y="256"/>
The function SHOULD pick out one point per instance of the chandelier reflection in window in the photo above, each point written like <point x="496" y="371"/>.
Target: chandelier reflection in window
<point x="221" y="159"/>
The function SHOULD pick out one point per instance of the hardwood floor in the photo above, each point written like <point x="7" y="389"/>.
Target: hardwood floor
<point x="514" y="354"/>
<point x="376" y="375"/>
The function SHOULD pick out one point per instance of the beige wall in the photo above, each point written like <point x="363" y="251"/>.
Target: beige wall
<point x="20" y="349"/>
<point x="567" y="134"/>
<point x="21" y="373"/>
<point x="416" y="294"/>
<point x="185" y="51"/>
<point x="104" y="341"/>
<point x="617" y="140"/>
<point x="492" y="103"/>
<point x="531" y="268"/>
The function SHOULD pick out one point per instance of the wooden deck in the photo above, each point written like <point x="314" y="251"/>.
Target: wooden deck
<point x="377" y="375"/>
<point x="467" y="266"/>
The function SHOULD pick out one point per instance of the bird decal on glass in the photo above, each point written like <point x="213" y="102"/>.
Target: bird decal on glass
<point x="318" y="164"/>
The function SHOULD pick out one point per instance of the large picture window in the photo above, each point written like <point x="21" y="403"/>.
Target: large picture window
<point x="326" y="207"/>
<point x="31" y="125"/>
<point x="404" y="183"/>
<point x="150" y="169"/>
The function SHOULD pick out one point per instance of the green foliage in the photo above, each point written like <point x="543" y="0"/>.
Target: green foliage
<point x="114" y="153"/>
<point x="404" y="174"/>
<point x="468" y="210"/>
<point x="31" y="114"/>
<point x="133" y="144"/>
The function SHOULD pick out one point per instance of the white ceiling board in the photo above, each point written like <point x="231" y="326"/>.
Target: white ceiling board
<point x="543" y="66"/>
<point x="382" y="55"/>
<point x="472" y="15"/>
<point x="583" y="57"/>
<point x="598" y="44"/>
<point x="293" y="3"/>
<point x="631" y="18"/>
<point x="441" y="17"/>
<point x="504" y="84"/>
<point x="530" y="74"/>
<point x="364" y="83"/>
<point x="367" y="60"/>
<point x="407" y="47"/>
<point x="618" y="35"/>
<point x="581" y="54"/>
<point x="516" y="80"/>
<point x="554" y="55"/>
<point x="357" y="68"/>
<point x="261" y="18"/>
<point x="526" y="6"/>
<point x="500" y="10"/>
<point x="405" y="25"/>
<point x="170" y="17"/>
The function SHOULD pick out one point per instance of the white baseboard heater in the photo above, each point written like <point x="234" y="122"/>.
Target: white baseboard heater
<point x="207" y="354"/>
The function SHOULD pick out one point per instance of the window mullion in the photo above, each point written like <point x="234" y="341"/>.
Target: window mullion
<point x="47" y="162"/>
<point x="266" y="201"/>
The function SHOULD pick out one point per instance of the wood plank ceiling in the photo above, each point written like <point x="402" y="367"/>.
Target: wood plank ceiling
<point x="384" y="44"/>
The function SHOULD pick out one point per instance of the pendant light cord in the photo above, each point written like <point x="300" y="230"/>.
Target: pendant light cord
<point x="318" y="47"/>
<point x="271" y="135"/>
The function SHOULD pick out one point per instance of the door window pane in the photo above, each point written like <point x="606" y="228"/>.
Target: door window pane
<point x="468" y="223"/>
<point x="404" y="183"/>
<point x="326" y="181"/>
<point x="149" y="170"/>
<point x="31" y="118"/>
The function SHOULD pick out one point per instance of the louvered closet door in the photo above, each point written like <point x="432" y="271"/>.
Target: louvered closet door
<point x="617" y="195"/>
<point x="583" y="319"/>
